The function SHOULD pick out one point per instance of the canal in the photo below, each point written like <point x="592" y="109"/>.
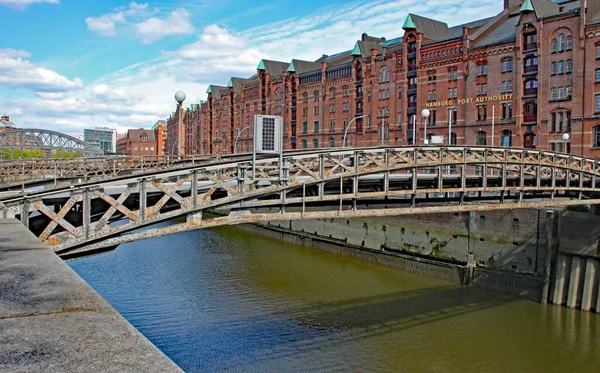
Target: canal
<point x="225" y="300"/>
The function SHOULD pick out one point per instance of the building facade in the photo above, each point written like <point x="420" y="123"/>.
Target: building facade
<point x="528" y="77"/>
<point x="102" y="137"/>
<point x="6" y="124"/>
<point x="160" y="132"/>
<point x="140" y="142"/>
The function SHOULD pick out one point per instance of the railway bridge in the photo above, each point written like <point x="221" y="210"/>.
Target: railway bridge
<point x="333" y="183"/>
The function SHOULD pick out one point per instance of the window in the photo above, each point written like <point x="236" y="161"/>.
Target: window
<point x="506" y="110"/>
<point x="561" y="42"/>
<point x="332" y="125"/>
<point x="597" y="51"/>
<point x="503" y="87"/>
<point x="554" y="68"/>
<point x="331" y="142"/>
<point x="332" y="93"/>
<point x="315" y="143"/>
<point x="569" y="67"/>
<point x="553" y="95"/>
<point x="452" y="138"/>
<point x="561" y="118"/>
<point x="507" y="65"/>
<point x="596" y="137"/>
<point x="561" y="67"/>
<point x="278" y="95"/>
<point x="554" y="45"/>
<point x="450" y="89"/>
<point x="561" y="93"/>
<point x="553" y="122"/>
<point x="480" y="138"/>
<point x="482" y="112"/>
<point x="455" y="92"/>
<point x="305" y="127"/>
<point x="569" y="42"/>
<point x="509" y="87"/>
<point x="305" y="97"/>
<point x="597" y="103"/>
<point x="432" y="118"/>
<point x="316" y="123"/>
<point x="568" y="123"/>
<point x="346" y="91"/>
<point x="506" y="138"/>
<point x="454" y="115"/>
<point x="304" y="144"/>
<point x="597" y="75"/>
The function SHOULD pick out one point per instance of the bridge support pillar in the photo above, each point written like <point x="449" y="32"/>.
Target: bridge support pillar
<point x="591" y="273"/>
<point x="574" y="282"/>
<point x="559" y="280"/>
<point x="551" y="245"/>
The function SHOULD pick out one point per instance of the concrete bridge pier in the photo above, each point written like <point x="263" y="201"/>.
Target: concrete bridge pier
<point x="591" y="273"/>
<point x="577" y="282"/>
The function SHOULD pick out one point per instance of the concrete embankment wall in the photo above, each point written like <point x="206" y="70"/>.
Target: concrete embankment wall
<point x="53" y="321"/>
<point x="577" y="282"/>
<point x="528" y="286"/>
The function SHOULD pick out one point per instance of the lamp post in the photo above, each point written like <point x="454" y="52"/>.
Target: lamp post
<point x="179" y="97"/>
<point x="238" y="137"/>
<point x="425" y="114"/>
<point x="173" y="147"/>
<point x="565" y="138"/>
<point x="348" y="126"/>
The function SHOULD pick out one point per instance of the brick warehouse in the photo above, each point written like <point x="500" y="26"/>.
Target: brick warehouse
<point x="534" y="68"/>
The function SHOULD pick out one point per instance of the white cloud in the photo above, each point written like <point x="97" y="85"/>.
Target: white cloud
<point x="106" y="23"/>
<point x="20" y="73"/>
<point x="143" y="93"/>
<point x="177" y="23"/>
<point x="13" y="53"/>
<point x="23" y="4"/>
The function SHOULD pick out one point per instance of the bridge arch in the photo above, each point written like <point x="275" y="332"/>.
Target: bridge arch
<point x="46" y="141"/>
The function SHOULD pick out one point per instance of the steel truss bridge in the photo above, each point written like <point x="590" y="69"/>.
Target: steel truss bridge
<point x="32" y="171"/>
<point x="46" y="141"/>
<point x="309" y="185"/>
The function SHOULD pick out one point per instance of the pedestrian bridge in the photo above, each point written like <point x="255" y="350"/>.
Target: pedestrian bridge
<point x="343" y="183"/>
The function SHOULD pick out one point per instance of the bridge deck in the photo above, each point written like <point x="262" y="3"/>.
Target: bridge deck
<point x="51" y="320"/>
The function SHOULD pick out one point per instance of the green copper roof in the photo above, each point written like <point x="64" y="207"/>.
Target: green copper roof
<point x="527" y="6"/>
<point x="261" y="66"/>
<point x="208" y="90"/>
<point x="230" y="84"/>
<point x="408" y="23"/>
<point x="291" y="68"/>
<point x="356" y="50"/>
<point x="198" y="101"/>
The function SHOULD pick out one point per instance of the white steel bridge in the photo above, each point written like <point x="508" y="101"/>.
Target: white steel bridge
<point x="316" y="184"/>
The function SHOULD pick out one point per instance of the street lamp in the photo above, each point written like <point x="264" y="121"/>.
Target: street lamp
<point x="348" y="126"/>
<point x="179" y="97"/>
<point x="238" y="137"/>
<point x="173" y="147"/>
<point x="425" y="114"/>
<point x="565" y="138"/>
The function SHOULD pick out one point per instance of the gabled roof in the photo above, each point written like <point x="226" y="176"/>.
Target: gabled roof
<point x="300" y="66"/>
<point x="500" y="30"/>
<point x="341" y="58"/>
<point x="430" y="28"/>
<point x="136" y="135"/>
<point x="236" y="84"/>
<point x="215" y="89"/>
<point x="273" y="68"/>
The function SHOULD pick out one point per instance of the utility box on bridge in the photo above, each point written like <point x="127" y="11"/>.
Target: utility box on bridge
<point x="268" y="134"/>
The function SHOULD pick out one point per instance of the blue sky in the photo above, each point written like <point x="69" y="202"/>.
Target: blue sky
<point x="72" y="64"/>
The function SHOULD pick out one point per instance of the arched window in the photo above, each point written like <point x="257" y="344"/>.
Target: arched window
<point x="569" y="67"/>
<point x="315" y="143"/>
<point x="506" y="138"/>
<point x="554" y="45"/>
<point x="554" y="68"/>
<point x="332" y="93"/>
<point x="561" y="42"/>
<point x="569" y="42"/>
<point x="278" y="95"/>
<point x="331" y="142"/>
<point x="596" y="137"/>
<point x="304" y="144"/>
<point x="481" y="138"/>
<point x="561" y="67"/>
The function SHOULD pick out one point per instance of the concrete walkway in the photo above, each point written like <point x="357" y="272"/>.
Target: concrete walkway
<point x="53" y="321"/>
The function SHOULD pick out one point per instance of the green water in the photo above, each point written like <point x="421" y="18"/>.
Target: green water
<point x="227" y="300"/>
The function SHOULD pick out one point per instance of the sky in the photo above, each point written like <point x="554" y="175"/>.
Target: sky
<point x="67" y="65"/>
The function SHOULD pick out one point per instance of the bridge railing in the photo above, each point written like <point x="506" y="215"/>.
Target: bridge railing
<point x="413" y="179"/>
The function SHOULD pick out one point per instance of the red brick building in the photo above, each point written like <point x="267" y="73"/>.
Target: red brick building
<point x="523" y="78"/>
<point x="140" y="142"/>
<point x="160" y="133"/>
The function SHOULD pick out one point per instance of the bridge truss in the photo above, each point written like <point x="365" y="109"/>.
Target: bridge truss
<point x="311" y="185"/>
<point x="46" y="141"/>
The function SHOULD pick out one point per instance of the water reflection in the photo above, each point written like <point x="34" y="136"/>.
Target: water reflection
<point x="225" y="300"/>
